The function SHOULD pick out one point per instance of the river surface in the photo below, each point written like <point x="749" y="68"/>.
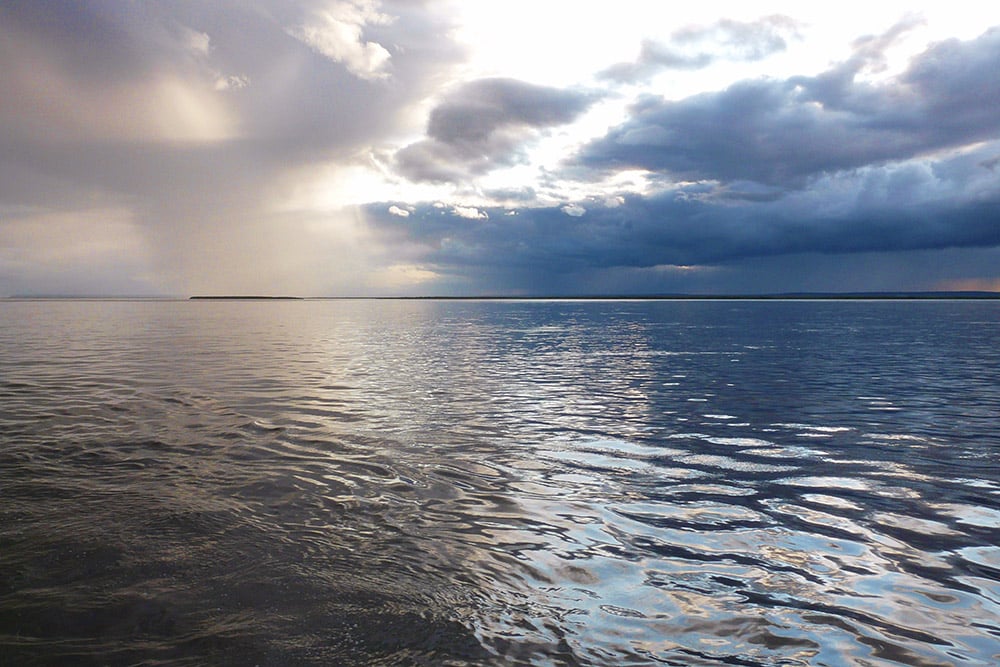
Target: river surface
<point x="378" y="482"/>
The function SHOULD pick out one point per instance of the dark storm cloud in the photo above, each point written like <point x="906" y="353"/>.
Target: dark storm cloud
<point x="696" y="47"/>
<point x="483" y="124"/>
<point x="953" y="203"/>
<point x="782" y="132"/>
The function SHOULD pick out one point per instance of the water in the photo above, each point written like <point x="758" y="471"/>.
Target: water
<point x="545" y="483"/>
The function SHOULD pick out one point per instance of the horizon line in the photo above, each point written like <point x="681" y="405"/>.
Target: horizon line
<point x="852" y="295"/>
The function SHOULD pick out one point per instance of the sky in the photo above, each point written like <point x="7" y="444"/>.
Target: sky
<point x="442" y="147"/>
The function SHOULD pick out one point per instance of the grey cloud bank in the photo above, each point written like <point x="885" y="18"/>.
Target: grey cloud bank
<point x="825" y="165"/>
<point x="782" y="132"/>
<point x="952" y="203"/>
<point x="482" y="126"/>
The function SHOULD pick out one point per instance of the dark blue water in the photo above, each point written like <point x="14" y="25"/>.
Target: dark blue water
<point x="466" y="483"/>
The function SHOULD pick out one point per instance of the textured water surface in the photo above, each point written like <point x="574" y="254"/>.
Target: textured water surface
<point x="550" y="483"/>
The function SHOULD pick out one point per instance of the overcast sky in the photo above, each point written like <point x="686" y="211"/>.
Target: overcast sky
<point x="420" y="147"/>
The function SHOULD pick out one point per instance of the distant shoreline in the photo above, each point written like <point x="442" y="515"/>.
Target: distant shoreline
<point x="247" y="298"/>
<point x="790" y="296"/>
<point x="859" y="296"/>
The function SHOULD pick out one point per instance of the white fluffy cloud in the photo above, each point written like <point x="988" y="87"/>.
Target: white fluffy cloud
<point x="469" y="212"/>
<point x="338" y="33"/>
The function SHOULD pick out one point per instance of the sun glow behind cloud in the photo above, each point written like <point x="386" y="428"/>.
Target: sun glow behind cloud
<point x="562" y="42"/>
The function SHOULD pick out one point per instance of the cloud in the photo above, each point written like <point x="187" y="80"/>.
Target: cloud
<point x="469" y="212"/>
<point x="337" y="32"/>
<point x="516" y="195"/>
<point x="783" y="132"/>
<point x="90" y="251"/>
<point x="915" y="206"/>
<point x="148" y="74"/>
<point x="65" y="67"/>
<point x="483" y="124"/>
<point x="198" y="42"/>
<point x="232" y="82"/>
<point x="696" y="47"/>
<point x="197" y="119"/>
<point x="183" y="147"/>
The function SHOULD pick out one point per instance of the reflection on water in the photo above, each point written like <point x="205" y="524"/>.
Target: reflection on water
<point x="419" y="482"/>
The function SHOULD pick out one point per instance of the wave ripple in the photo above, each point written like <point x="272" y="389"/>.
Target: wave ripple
<point x="469" y="483"/>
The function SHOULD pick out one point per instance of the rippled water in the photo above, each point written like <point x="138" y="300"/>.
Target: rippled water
<point x="424" y="482"/>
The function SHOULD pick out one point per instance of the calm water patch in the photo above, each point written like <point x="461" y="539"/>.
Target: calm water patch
<point x="470" y="483"/>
